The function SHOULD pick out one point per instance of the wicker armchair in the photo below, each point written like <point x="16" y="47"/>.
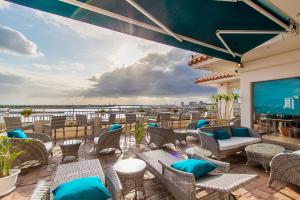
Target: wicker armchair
<point x="286" y="167"/>
<point x="183" y="186"/>
<point x="38" y="148"/>
<point x="57" y="122"/>
<point x="212" y="144"/>
<point x="192" y="131"/>
<point x="105" y="139"/>
<point x="161" y="136"/>
<point x="70" y="171"/>
<point x="15" y="122"/>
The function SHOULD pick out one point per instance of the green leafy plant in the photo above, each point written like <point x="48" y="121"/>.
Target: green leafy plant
<point x="141" y="109"/>
<point x="139" y="134"/>
<point x="26" y="112"/>
<point x="102" y="111"/>
<point x="7" y="156"/>
<point x="175" y="110"/>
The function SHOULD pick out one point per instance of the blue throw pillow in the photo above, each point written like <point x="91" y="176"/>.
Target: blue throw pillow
<point x="221" y="135"/>
<point x="201" y="123"/>
<point x="87" y="188"/>
<point x="197" y="167"/>
<point x="115" y="127"/>
<point x="17" y="133"/>
<point x="153" y="124"/>
<point x="240" y="132"/>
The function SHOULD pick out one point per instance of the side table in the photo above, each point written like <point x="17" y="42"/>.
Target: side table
<point x="131" y="173"/>
<point x="70" y="148"/>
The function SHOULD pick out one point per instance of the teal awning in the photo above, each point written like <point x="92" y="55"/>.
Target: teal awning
<point x="212" y="27"/>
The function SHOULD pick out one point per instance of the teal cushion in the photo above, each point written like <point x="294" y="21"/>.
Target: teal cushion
<point x="197" y="167"/>
<point x="87" y="188"/>
<point x="240" y="132"/>
<point x="153" y="124"/>
<point x="114" y="127"/>
<point x="17" y="133"/>
<point x="201" y="123"/>
<point x="221" y="134"/>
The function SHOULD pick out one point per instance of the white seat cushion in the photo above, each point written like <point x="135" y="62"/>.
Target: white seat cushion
<point x="96" y="140"/>
<point x="192" y="131"/>
<point x="297" y="152"/>
<point x="236" y="142"/>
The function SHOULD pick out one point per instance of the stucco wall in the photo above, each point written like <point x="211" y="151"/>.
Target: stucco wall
<point x="275" y="67"/>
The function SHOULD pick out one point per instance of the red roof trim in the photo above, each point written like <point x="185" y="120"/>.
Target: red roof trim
<point x="198" y="59"/>
<point x="213" y="77"/>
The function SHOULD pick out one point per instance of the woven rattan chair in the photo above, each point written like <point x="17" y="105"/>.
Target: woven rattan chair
<point x="37" y="148"/>
<point x="81" y="120"/>
<point x="111" y="119"/>
<point x="183" y="186"/>
<point x="57" y="122"/>
<point x="15" y="122"/>
<point x="165" y="119"/>
<point x="70" y="171"/>
<point x="195" y="116"/>
<point x="286" y="167"/>
<point x="192" y="131"/>
<point x="212" y="144"/>
<point x="161" y="136"/>
<point x="106" y="139"/>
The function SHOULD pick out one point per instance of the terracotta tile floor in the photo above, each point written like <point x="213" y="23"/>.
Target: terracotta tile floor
<point x="154" y="190"/>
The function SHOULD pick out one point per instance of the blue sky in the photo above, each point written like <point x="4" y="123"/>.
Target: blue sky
<point x="47" y="59"/>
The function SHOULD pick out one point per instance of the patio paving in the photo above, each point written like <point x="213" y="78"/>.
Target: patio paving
<point x="257" y="189"/>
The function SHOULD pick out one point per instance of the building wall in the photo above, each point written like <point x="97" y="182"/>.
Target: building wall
<point x="284" y="65"/>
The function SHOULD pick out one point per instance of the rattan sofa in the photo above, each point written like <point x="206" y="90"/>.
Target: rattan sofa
<point x="38" y="147"/>
<point x="70" y="171"/>
<point x="183" y="186"/>
<point x="223" y="148"/>
<point x="105" y="139"/>
<point x="286" y="167"/>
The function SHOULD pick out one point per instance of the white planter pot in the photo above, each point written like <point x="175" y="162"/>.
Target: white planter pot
<point x="8" y="183"/>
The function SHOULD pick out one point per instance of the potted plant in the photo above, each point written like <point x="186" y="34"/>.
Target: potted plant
<point x="26" y="112"/>
<point x="8" y="176"/>
<point x="175" y="110"/>
<point x="139" y="133"/>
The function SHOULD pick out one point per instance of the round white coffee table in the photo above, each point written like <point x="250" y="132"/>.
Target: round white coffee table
<point x="131" y="173"/>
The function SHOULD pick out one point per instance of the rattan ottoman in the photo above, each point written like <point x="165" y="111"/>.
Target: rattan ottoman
<point x="70" y="148"/>
<point x="262" y="153"/>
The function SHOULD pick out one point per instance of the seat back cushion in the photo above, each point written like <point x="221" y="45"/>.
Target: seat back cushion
<point x="240" y="132"/>
<point x="221" y="134"/>
<point x="87" y="188"/>
<point x="197" y="167"/>
<point x="114" y="127"/>
<point x="201" y="123"/>
<point x="17" y="133"/>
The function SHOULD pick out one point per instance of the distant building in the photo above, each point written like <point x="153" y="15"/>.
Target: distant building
<point x="192" y="103"/>
<point x="182" y="104"/>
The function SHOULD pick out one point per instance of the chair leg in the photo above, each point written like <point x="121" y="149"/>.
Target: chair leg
<point x="54" y="136"/>
<point x="76" y="132"/>
<point x="85" y="133"/>
<point x="64" y="134"/>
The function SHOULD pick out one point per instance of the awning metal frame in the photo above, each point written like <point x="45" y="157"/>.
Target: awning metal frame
<point x="219" y="32"/>
<point x="165" y="30"/>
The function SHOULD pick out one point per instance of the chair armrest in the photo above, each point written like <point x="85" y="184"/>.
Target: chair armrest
<point x="222" y="166"/>
<point x="41" y="191"/>
<point x="113" y="183"/>
<point x="209" y="142"/>
<point x="254" y="133"/>
<point x="191" y="126"/>
<point x="39" y="136"/>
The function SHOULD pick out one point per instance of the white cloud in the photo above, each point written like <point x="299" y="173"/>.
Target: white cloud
<point x="4" y="4"/>
<point x="13" y="42"/>
<point x="60" y="66"/>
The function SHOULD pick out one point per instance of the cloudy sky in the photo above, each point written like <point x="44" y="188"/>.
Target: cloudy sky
<point x="47" y="59"/>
